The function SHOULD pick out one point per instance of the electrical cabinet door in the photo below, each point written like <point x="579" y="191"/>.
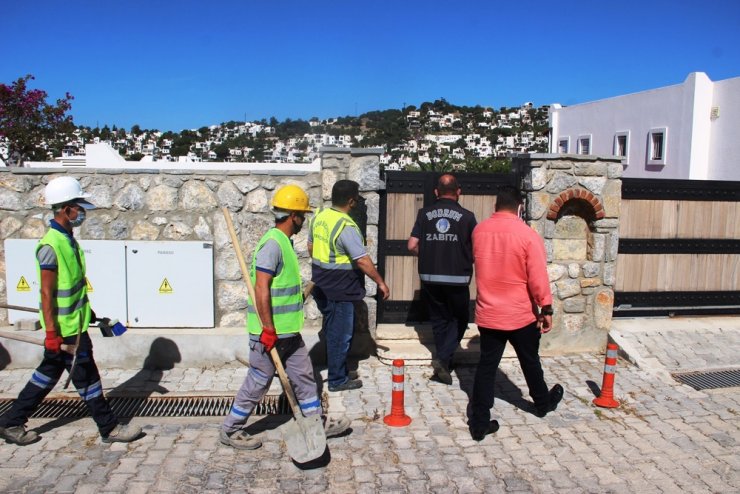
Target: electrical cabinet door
<point x="21" y="278"/>
<point x="170" y="284"/>
<point x="106" y="277"/>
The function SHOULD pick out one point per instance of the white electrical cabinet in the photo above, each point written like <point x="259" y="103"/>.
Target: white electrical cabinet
<point x="106" y="277"/>
<point x="21" y="278"/>
<point x="170" y="284"/>
<point x="146" y="284"/>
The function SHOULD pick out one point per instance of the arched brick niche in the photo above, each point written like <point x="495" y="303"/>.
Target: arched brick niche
<point x="574" y="212"/>
<point x="576" y="201"/>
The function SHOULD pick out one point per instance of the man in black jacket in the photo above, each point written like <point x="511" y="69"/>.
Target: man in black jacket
<point x="441" y="237"/>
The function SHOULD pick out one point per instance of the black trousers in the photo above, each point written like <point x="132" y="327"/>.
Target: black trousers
<point x="526" y="343"/>
<point x="86" y="380"/>
<point x="449" y="315"/>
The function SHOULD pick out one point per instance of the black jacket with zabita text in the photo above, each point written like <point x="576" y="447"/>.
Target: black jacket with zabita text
<point x="445" y="230"/>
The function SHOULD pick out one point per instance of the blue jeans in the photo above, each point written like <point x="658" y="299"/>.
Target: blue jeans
<point x="338" y="325"/>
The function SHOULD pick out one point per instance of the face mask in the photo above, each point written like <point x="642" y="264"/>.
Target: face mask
<point x="80" y="218"/>
<point x="296" y="227"/>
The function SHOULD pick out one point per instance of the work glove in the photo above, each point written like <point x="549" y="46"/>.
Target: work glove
<point x="53" y="342"/>
<point x="268" y="337"/>
<point x="104" y="324"/>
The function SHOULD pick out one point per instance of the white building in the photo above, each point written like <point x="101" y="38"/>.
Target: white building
<point x="686" y="131"/>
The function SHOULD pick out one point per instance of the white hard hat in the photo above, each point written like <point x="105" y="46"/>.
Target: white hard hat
<point x="66" y="189"/>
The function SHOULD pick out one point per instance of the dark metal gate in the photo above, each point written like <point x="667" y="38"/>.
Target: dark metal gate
<point x="405" y="193"/>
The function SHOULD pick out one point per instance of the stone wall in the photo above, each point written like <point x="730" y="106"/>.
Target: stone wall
<point x="186" y="205"/>
<point x="573" y="202"/>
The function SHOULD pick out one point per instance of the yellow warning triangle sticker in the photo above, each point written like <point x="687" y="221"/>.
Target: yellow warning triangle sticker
<point x="23" y="285"/>
<point x="165" y="287"/>
<point x="89" y="286"/>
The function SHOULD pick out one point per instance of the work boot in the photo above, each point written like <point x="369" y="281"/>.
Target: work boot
<point x="335" y="426"/>
<point x="478" y="434"/>
<point x="18" y="435"/>
<point x="239" y="439"/>
<point x="441" y="372"/>
<point x="554" y="397"/>
<point x="351" y="384"/>
<point x="123" y="433"/>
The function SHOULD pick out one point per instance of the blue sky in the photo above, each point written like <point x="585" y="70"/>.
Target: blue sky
<point x="185" y="64"/>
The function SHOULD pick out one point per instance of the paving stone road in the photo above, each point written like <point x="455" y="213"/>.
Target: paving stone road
<point x="664" y="438"/>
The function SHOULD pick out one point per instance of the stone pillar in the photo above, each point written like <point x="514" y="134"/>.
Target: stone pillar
<point x="573" y="202"/>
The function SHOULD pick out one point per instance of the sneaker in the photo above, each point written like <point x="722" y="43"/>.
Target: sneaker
<point x="555" y="395"/>
<point x="18" y="435"/>
<point x="441" y="372"/>
<point x="123" y="433"/>
<point x="351" y="384"/>
<point x="239" y="440"/>
<point x="335" y="426"/>
<point x="479" y="434"/>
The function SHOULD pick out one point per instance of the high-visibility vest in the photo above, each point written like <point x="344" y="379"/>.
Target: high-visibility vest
<point x="71" y="303"/>
<point x="285" y="290"/>
<point x="325" y="230"/>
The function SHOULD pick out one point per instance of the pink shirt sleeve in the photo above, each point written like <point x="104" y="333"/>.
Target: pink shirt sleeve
<point x="537" y="279"/>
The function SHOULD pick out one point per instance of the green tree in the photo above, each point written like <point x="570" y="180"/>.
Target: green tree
<point x="27" y="120"/>
<point x="222" y="151"/>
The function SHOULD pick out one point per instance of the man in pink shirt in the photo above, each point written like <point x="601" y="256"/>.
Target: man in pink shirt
<point x="514" y="305"/>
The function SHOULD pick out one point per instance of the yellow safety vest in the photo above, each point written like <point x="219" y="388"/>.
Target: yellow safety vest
<point x="71" y="303"/>
<point x="325" y="230"/>
<point x="285" y="290"/>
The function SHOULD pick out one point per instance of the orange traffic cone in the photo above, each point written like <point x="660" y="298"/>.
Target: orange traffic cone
<point x="398" y="417"/>
<point x="606" y="399"/>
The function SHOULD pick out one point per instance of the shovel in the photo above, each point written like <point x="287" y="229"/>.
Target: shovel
<point x="304" y="437"/>
<point x="33" y="341"/>
<point x="107" y="326"/>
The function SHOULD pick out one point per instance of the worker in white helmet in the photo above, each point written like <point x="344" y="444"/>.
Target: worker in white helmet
<point x="65" y="315"/>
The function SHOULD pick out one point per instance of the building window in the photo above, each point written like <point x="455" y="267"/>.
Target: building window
<point x="584" y="144"/>
<point x="657" y="140"/>
<point x="621" y="145"/>
<point x="563" y="145"/>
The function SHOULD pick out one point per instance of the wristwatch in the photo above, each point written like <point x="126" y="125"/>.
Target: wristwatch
<point x="547" y="312"/>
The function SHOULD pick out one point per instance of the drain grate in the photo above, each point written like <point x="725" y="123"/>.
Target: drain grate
<point x="710" y="379"/>
<point x="155" y="406"/>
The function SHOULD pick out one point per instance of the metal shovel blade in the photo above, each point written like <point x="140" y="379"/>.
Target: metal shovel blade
<point x="304" y="437"/>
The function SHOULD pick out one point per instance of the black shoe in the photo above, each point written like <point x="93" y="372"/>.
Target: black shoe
<point x="479" y="434"/>
<point x="352" y="374"/>
<point x="351" y="384"/>
<point x="441" y="372"/>
<point x="555" y="395"/>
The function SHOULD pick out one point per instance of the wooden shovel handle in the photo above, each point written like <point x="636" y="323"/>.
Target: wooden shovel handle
<point x="250" y="288"/>
<point x="18" y="307"/>
<point x="33" y="341"/>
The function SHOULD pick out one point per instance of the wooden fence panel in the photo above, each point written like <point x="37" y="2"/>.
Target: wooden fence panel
<point x="679" y="248"/>
<point x="656" y="218"/>
<point x="678" y="272"/>
<point x="403" y="208"/>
